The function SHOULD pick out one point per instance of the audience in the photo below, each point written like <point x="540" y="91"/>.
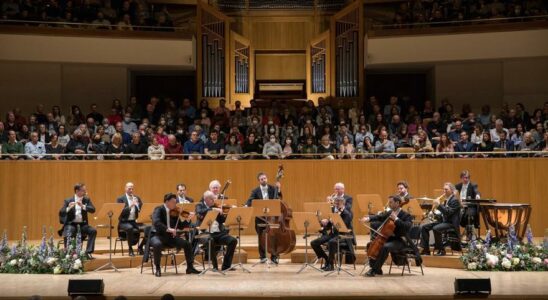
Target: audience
<point x="328" y="131"/>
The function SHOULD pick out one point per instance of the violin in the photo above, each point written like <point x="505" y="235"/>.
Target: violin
<point x="220" y="203"/>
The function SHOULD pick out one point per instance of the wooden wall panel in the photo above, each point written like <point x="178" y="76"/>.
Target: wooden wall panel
<point x="31" y="193"/>
<point x="279" y="35"/>
<point x="280" y="66"/>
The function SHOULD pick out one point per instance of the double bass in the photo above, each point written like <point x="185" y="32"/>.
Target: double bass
<point x="281" y="240"/>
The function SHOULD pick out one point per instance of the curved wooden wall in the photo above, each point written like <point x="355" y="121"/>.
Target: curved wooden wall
<point x="31" y="193"/>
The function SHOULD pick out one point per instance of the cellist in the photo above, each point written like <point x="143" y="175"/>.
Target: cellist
<point x="398" y="240"/>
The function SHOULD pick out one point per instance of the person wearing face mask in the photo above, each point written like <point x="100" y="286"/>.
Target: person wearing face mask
<point x="205" y="121"/>
<point x="272" y="149"/>
<point x="109" y="129"/>
<point x="128" y="126"/>
<point x="97" y="147"/>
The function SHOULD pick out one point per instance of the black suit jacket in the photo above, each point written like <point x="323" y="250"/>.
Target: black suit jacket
<point x="347" y="202"/>
<point x="160" y="219"/>
<point x="186" y="198"/>
<point x="257" y="194"/>
<point x="403" y="223"/>
<point x="201" y="211"/>
<point x="471" y="192"/>
<point x="124" y="215"/>
<point x="67" y="217"/>
<point x="451" y="212"/>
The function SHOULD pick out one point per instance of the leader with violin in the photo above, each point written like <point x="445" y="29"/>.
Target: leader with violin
<point x="392" y="234"/>
<point x="263" y="192"/>
<point x="167" y="219"/>
<point x="330" y="235"/>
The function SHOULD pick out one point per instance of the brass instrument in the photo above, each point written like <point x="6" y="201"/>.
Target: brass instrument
<point x="331" y="199"/>
<point x="434" y="215"/>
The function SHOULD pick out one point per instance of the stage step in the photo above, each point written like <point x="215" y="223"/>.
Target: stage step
<point x="298" y="256"/>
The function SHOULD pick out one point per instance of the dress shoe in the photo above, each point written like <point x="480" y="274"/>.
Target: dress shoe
<point x="141" y="252"/>
<point x="440" y="253"/>
<point x="378" y="272"/>
<point x="89" y="256"/>
<point x="328" y="268"/>
<point x="158" y="273"/>
<point x="371" y="273"/>
<point x="263" y="260"/>
<point x="227" y="269"/>
<point x="192" y="271"/>
<point x="131" y="253"/>
<point x="425" y="252"/>
<point x="275" y="259"/>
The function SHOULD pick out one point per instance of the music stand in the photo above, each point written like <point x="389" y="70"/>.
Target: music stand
<point x="305" y="222"/>
<point x="190" y="207"/>
<point x="206" y="225"/>
<point x="264" y="209"/>
<point x="338" y="223"/>
<point x="107" y="211"/>
<point x="322" y="210"/>
<point x="239" y="217"/>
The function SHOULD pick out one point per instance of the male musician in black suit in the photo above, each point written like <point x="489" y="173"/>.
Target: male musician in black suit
<point x="450" y="218"/>
<point x="330" y="235"/>
<point x="181" y="194"/>
<point x="396" y="242"/>
<point x="128" y="218"/>
<point x="263" y="191"/>
<point x="165" y="234"/>
<point x="402" y="190"/>
<point x="74" y="213"/>
<point x="468" y="190"/>
<point x="338" y="192"/>
<point x="218" y="232"/>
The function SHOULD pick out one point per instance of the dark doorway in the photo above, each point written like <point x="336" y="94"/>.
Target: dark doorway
<point x="176" y="85"/>
<point x="385" y="84"/>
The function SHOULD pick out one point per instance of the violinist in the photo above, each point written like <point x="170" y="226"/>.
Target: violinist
<point x="338" y="192"/>
<point x="329" y="235"/>
<point x="450" y="212"/>
<point x="263" y="191"/>
<point x="166" y="219"/>
<point x="398" y="240"/>
<point x="217" y="230"/>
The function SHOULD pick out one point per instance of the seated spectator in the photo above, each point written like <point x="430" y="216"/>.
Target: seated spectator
<point x="100" y="22"/>
<point x="543" y="146"/>
<point x="383" y="144"/>
<point x="326" y="149"/>
<point x="504" y="143"/>
<point x="214" y="147"/>
<point x="54" y="148"/>
<point x="156" y="150"/>
<point x="445" y="145"/>
<point x="109" y="129"/>
<point x="77" y="145"/>
<point x="174" y="148"/>
<point x="346" y="148"/>
<point x="413" y="128"/>
<point x="114" y="116"/>
<point x="421" y="142"/>
<point x="252" y="147"/>
<point x="454" y="131"/>
<point x="137" y="149"/>
<point x="308" y="149"/>
<point x="128" y="126"/>
<point x="3" y="133"/>
<point x="477" y="135"/>
<point x="23" y="135"/>
<point x="194" y="146"/>
<point x="116" y="147"/>
<point x="187" y="110"/>
<point x="126" y="137"/>
<point x="34" y="149"/>
<point x="436" y="127"/>
<point x="536" y="118"/>
<point x="518" y="136"/>
<point x="528" y="143"/>
<point x="512" y="120"/>
<point x="288" y="149"/>
<point x="486" y="145"/>
<point x="63" y="136"/>
<point x="125" y="23"/>
<point x="499" y="128"/>
<point x="464" y="145"/>
<point x="233" y="149"/>
<point x="11" y="148"/>
<point x="343" y="131"/>
<point x="363" y="132"/>
<point x="272" y="149"/>
<point x="538" y="132"/>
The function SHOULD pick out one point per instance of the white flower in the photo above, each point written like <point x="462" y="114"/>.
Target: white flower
<point x="13" y="262"/>
<point x="492" y="260"/>
<point x="51" y="260"/>
<point x="539" y="247"/>
<point x="57" y="270"/>
<point x="32" y="262"/>
<point x="515" y="261"/>
<point x="506" y="263"/>
<point x="77" y="264"/>
<point x="536" y="260"/>
<point x="479" y="246"/>
<point x="472" y="266"/>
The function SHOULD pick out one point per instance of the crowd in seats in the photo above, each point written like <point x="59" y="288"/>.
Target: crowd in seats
<point x="98" y="14"/>
<point x="421" y="11"/>
<point x="166" y="129"/>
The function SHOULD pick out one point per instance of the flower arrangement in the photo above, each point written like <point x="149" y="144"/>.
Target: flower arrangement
<point x="46" y="258"/>
<point x="510" y="255"/>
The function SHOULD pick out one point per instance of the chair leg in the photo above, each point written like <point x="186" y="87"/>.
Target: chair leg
<point x="122" y="246"/>
<point x="422" y="270"/>
<point x="390" y="269"/>
<point x="115" y="245"/>
<point x="408" y="266"/>
<point x="174" y="262"/>
<point x="165" y="263"/>
<point x="403" y="269"/>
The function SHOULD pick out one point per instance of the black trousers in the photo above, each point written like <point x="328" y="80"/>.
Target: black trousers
<point x="393" y="244"/>
<point x="260" y="230"/>
<point x="159" y="243"/>
<point x="71" y="230"/>
<point x="471" y="214"/>
<point x="131" y="229"/>
<point x="438" y="229"/>
<point x="230" y="242"/>
<point x="331" y="241"/>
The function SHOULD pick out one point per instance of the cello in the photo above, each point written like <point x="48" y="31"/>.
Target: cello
<point x="384" y="231"/>
<point x="282" y="239"/>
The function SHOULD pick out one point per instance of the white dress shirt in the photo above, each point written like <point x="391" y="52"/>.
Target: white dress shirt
<point x="464" y="191"/>
<point x="78" y="210"/>
<point x="264" y="191"/>
<point x="132" y="211"/>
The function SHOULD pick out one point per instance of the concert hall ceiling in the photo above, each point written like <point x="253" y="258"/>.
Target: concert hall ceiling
<point x="232" y="5"/>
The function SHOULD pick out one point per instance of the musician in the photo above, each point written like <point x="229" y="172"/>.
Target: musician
<point x="74" y="213"/>
<point x="450" y="212"/>
<point x="402" y="190"/>
<point x="398" y="241"/>
<point x="128" y="218"/>
<point x="338" y="192"/>
<point x="218" y="232"/>
<point x="215" y="188"/>
<point x="468" y="190"/>
<point x="181" y="194"/>
<point x="330" y="234"/>
<point x="263" y="191"/>
<point x="165" y="234"/>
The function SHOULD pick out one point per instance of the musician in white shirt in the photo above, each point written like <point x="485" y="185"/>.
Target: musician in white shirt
<point x="129" y="216"/>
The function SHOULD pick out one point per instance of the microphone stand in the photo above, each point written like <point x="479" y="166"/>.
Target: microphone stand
<point x="110" y="264"/>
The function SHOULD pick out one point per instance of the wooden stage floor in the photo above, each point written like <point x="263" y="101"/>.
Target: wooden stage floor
<point x="281" y="282"/>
